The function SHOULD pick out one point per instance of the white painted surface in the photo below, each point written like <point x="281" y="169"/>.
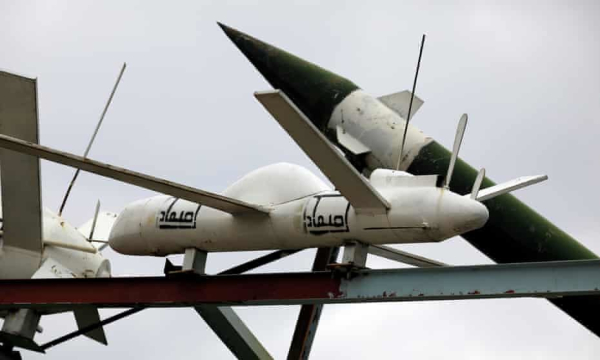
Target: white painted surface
<point x="420" y="212"/>
<point x="13" y="262"/>
<point x="379" y="128"/>
<point x="510" y="65"/>
<point x="337" y="169"/>
<point x="350" y="143"/>
<point x="400" y="102"/>
<point x="511" y="185"/>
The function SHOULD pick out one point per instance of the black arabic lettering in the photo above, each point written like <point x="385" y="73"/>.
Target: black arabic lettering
<point x="320" y="221"/>
<point x="184" y="217"/>
<point x="309" y="221"/>
<point x="177" y="219"/>
<point x="338" y="221"/>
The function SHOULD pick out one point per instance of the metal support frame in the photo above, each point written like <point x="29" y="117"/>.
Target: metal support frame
<point x="545" y="280"/>
<point x="259" y="261"/>
<point x="355" y="254"/>
<point x="194" y="260"/>
<point x="403" y="257"/>
<point x="7" y="353"/>
<point x="249" y="265"/>
<point x="225" y="323"/>
<point x="85" y="317"/>
<point x="232" y="331"/>
<point x="19" y="329"/>
<point x="309" y="315"/>
<point x="23" y="322"/>
<point x="89" y="328"/>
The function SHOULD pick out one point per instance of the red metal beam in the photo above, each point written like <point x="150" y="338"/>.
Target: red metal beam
<point x="182" y="290"/>
<point x="551" y="279"/>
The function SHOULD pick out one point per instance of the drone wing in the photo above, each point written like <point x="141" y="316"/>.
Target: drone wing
<point x="21" y="200"/>
<point x="358" y="190"/>
<point x="206" y="198"/>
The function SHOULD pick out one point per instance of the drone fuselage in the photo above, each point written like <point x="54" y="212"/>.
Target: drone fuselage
<point x="420" y="212"/>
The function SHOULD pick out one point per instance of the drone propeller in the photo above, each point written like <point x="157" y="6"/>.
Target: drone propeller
<point x="477" y="184"/>
<point x="460" y="132"/>
<point x="491" y="192"/>
<point x="506" y="187"/>
<point x="94" y="221"/>
<point x="93" y="228"/>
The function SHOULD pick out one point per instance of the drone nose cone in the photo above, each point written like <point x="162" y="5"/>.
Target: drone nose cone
<point x="468" y="215"/>
<point x="125" y="236"/>
<point x="313" y="89"/>
<point x="458" y="214"/>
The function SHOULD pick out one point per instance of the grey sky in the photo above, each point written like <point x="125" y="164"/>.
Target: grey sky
<point x="526" y="73"/>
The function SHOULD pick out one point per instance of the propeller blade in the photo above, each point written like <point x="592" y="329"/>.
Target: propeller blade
<point x="91" y="237"/>
<point x="509" y="186"/>
<point x="477" y="184"/>
<point x="460" y="132"/>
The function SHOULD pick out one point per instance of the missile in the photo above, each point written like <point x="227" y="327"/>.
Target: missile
<point x="368" y="130"/>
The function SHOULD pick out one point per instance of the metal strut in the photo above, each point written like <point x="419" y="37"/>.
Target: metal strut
<point x="309" y="315"/>
<point x="247" y="266"/>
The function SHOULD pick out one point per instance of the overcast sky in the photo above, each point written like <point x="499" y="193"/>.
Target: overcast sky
<point x="527" y="75"/>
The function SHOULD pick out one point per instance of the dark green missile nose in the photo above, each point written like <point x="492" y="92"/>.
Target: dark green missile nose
<point x="313" y="89"/>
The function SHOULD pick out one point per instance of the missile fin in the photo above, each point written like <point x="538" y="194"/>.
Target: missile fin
<point x="399" y="102"/>
<point x="351" y="143"/>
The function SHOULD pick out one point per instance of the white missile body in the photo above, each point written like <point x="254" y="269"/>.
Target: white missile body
<point x="304" y="212"/>
<point x="373" y="127"/>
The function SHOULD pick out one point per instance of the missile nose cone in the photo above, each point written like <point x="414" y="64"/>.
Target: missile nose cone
<point x="314" y="90"/>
